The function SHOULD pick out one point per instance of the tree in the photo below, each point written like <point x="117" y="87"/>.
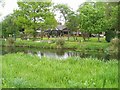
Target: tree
<point x="92" y="19"/>
<point x="112" y="20"/>
<point x="72" y="24"/>
<point x="9" y="27"/>
<point x="35" y="15"/>
<point x="65" y="11"/>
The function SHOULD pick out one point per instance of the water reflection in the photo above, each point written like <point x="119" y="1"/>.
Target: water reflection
<point x="56" y="53"/>
<point x="51" y="54"/>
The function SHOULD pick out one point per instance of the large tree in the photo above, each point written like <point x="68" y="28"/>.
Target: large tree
<point x="112" y="20"/>
<point x="36" y="16"/>
<point x="9" y="27"/>
<point x="72" y="24"/>
<point x="92" y="19"/>
<point x="66" y="11"/>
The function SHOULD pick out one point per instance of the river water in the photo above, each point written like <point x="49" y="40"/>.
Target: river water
<point x="57" y="53"/>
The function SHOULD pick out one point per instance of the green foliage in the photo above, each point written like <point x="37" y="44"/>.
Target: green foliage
<point x="29" y="31"/>
<point x="21" y="70"/>
<point x="112" y="15"/>
<point x="35" y="16"/>
<point x="33" y="44"/>
<point x="90" y="45"/>
<point x="115" y="42"/>
<point x="73" y="22"/>
<point x="50" y="22"/>
<point x="9" y="27"/>
<point x="1" y="29"/>
<point x="10" y="41"/>
<point x="60" y="42"/>
<point x="110" y="34"/>
<point x="64" y="10"/>
<point x="114" y="45"/>
<point x="97" y="17"/>
<point x="91" y="18"/>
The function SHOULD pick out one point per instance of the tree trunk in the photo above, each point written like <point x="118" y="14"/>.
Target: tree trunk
<point x="88" y="36"/>
<point x="98" y="37"/>
<point x="68" y="35"/>
<point x="84" y="38"/>
<point x="41" y="35"/>
<point x="15" y="35"/>
<point x="83" y="35"/>
<point x="76" y="38"/>
<point x="34" y="35"/>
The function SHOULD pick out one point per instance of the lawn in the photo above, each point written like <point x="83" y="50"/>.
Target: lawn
<point x="26" y="71"/>
<point x="79" y="45"/>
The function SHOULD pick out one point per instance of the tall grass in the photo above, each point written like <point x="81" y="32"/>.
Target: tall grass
<point x="10" y="42"/>
<point x="114" y="45"/>
<point x="92" y="44"/>
<point x="27" y="71"/>
<point x="66" y="45"/>
<point x="60" y="42"/>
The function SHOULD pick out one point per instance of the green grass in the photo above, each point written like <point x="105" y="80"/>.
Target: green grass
<point x="92" y="44"/>
<point x="71" y="39"/>
<point x="25" y="71"/>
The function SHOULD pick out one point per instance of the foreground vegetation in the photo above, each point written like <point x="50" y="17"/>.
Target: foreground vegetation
<point x="22" y="71"/>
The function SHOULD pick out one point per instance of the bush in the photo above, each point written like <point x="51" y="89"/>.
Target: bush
<point x="114" y="44"/>
<point x="60" y="42"/>
<point x="110" y="35"/>
<point x="53" y="41"/>
<point x="10" y="42"/>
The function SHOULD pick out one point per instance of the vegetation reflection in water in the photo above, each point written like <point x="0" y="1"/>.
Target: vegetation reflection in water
<point x="57" y="53"/>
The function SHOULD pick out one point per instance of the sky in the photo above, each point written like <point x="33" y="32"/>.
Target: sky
<point x="10" y="5"/>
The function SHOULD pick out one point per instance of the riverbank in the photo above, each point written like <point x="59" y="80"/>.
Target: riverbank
<point x="26" y="71"/>
<point x="51" y="44"/>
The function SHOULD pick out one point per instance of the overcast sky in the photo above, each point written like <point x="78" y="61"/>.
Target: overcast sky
<point x="10" y="5"/>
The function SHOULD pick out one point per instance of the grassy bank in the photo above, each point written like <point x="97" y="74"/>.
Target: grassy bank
<point x="92" y="44"/>
<point x="23" y="71"/>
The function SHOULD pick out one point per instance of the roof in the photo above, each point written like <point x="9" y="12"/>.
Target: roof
<point x="61" y="27"/>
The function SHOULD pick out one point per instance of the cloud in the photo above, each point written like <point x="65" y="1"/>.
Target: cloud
<point x="10" y="5"/>
<point x="72" y="3"/>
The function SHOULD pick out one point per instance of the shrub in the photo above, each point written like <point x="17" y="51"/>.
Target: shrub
<point x="53" y="41"/>
<point x="60" y="42"/>
<point x="114" y="44"/>
<point x="110" y="35"/>
<point x="10" y="42"/>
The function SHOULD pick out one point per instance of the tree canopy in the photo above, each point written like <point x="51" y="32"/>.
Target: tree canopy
<point x="91" y="17"/>
<point x="35" y="15"/>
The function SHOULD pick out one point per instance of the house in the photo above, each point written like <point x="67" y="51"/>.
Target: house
<point x="59" y="31"/>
